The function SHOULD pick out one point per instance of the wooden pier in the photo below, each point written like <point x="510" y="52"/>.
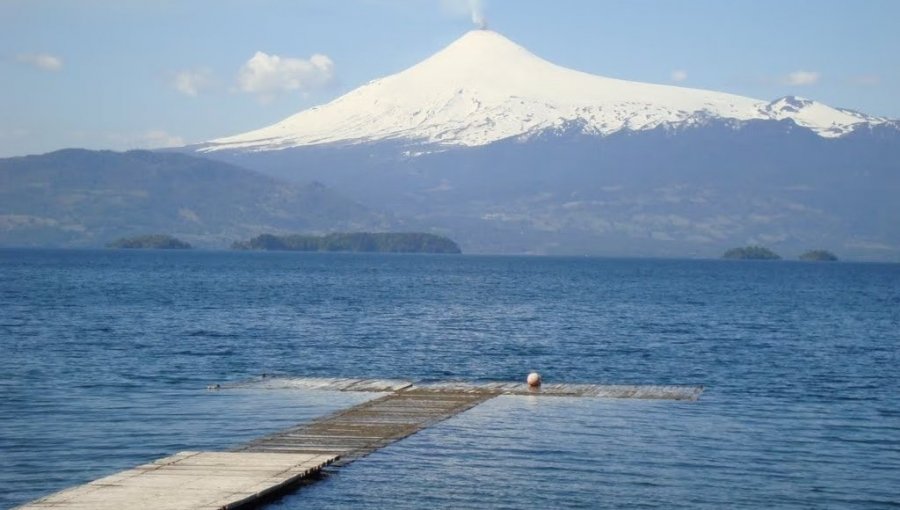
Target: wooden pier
<point x="264" y="468"/>
<point x="362" y="429"/>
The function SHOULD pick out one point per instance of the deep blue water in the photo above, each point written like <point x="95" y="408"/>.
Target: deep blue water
<point x="105" y="357"/>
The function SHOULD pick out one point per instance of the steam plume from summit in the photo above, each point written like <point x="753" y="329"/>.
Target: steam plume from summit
<point x="474" y="9"/>
<point x="477" y="11"/>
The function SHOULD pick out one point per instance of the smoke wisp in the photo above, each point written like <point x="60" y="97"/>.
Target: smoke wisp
<point x="474" y="9"/>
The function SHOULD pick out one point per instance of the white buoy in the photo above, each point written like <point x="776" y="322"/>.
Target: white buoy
<point x="534" y="379"/>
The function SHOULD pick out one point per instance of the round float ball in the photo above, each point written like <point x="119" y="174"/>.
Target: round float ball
<point x="534" y="379"/>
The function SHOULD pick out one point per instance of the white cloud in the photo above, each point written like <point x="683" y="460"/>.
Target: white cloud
<point x="269" y="75"/>
<point x="42" y="61"/>
<point x="678" y="75"/>
<point x="801" y="78"/>
<point x="191" y="82"/>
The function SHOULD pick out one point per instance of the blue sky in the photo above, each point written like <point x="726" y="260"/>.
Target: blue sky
<point x="122" y="74"/>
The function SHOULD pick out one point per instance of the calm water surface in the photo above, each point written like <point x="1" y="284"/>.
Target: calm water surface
<point x="105" y="357"/>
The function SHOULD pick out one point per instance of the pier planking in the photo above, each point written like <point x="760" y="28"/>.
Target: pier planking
<point x="360" y="430"/>
<point x="191" y="481"/>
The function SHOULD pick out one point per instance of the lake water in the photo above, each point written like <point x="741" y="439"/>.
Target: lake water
<point x="105" y="357"/>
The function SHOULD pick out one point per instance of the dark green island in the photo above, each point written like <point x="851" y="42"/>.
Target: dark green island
<point x="355" y="242"/>
<point x="751" y="253"/>
<point x="819" y="256"/>
<point x="150" y="242"/>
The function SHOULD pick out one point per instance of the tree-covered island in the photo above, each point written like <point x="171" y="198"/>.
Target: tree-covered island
<point x="354" y="242"/>
<point x="751" y="253"/>
<point x="819" y="256"/>
<point x="150" y="242"/>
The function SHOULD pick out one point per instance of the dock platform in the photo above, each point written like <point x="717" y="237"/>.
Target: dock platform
<point x="255" y="472"/>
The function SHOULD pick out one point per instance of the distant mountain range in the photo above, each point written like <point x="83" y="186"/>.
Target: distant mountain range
<point x="87" y="198"/>
<point x="503" y="152"/>
<point x="506" y="152"/>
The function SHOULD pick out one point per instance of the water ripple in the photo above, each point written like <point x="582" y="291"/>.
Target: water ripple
<point x="105" y="357"/>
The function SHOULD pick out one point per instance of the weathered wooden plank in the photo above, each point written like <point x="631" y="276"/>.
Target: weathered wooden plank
<point x="362" y="429"/>
<point x="191" y="481"/>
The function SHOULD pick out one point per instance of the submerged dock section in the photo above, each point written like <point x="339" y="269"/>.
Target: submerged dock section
<point x="633" y="391"/>
<point x="265" y="468"/>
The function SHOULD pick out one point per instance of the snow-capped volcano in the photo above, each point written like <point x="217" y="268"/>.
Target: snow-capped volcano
<point x="484" y="87"/>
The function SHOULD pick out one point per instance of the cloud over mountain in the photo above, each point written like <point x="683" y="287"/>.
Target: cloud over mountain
<point x="678" y="75"/>
<point x="269" y="75"/>
<point x="192" y="82"/>
<point x="802" y="78"/>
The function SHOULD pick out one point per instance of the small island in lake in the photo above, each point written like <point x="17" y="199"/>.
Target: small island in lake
<point x="819" y="256"/>
<point x="150" y="242"/>
<point x="354" y="242"/>
<point x="751" y="253"/>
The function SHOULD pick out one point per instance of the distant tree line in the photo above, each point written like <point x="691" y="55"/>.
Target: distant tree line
<point x="353" y="242"/>
<point x="751" y="253"/>
<point x="819" y="256"/>
<point x="761" y="253"/>
<point x="152" y="241"/>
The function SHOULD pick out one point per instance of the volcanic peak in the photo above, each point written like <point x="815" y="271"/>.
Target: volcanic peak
<point x="483" y="88"/>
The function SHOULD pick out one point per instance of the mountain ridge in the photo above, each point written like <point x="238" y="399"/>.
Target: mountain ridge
<point x="85" y="198"/>
<point x="670" y="191"/>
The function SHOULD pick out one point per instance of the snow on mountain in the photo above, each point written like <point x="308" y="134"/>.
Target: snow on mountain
<point x="826" y="121"/>
<point x="484" y="87"/>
